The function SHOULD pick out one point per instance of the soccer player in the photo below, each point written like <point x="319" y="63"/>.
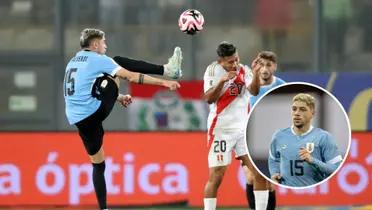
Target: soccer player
<point x="227" y="88"/>
<point x="91" y="89"/>
<point x="268" y="80"/>
<point x="302" y="155"/>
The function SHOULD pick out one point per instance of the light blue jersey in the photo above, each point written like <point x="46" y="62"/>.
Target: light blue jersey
<point x="284" y="158"/>
<point x="81" y="73"/>
<point x="263" y="89"/>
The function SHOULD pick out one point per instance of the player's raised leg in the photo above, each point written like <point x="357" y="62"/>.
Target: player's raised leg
<point x="172" y="69"/>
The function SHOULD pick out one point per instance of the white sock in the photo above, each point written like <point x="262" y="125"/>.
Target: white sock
<point x="261" y="198"/>
<point x="210" y="203"/>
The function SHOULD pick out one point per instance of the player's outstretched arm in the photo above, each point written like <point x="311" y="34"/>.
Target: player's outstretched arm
<point x="214" y="93"/>
<point x="145" y="79"/>
<point x="254" y="87"/>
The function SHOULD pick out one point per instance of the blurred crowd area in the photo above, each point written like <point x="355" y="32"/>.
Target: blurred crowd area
<point x="40" y="36"/>
<point x="148" y="29"/>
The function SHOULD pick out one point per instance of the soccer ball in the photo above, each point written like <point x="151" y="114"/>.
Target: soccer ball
<point x="191" y="21"/>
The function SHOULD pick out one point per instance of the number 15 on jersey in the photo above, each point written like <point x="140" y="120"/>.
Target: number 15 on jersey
<point x="69" y="81"/>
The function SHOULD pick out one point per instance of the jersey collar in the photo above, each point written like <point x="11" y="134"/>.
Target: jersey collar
<point x="272" y="82"/>
<point x="307" y="132"/>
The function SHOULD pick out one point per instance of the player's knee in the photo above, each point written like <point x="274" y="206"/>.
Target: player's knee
<point x="259" y="178"/>
<point x="252" y="172"/>
<point x="254" y="175"/>
<point x="248" y="174"/>
<point x="249" y="177"/>
<point x="216" y="176"/>
<point x="215" y="182"/>
<point x="246" y="163"/>
<point x="117" y="81"/>
<point x="98" y="157"/>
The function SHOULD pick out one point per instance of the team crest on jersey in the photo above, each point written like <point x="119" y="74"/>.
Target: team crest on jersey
<point x="310" y="147"/>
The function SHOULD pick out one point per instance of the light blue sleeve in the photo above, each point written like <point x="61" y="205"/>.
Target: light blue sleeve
<point x="330" y="150"/>
<point x="107" y="65"/>
<point x="274" y="157"/>
<point x="330" y="154"/>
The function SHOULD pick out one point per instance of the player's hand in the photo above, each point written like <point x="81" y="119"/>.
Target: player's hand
<point x="172" y="85"/>
<point x="229" y="75"/>
<point x="256" y="65"/>
<point x="276" y="178"/>
<point x="305" y="155"/>
<point x="124" y="100"/>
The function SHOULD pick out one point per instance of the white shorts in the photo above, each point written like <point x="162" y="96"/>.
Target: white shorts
<point x="220" y="151"/>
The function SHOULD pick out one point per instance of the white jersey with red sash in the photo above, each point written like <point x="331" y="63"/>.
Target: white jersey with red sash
<point x="230" y="110"/>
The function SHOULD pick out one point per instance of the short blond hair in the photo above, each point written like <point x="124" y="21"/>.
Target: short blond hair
<point x="89" y="34"/>
<point x="308" y="99"/>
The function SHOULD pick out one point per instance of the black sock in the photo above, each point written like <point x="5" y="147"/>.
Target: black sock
<point x="272" y="201"/>
<point x="100" y="184"/>
<point x="250" y="196"/>
<point x="139" y="66"/>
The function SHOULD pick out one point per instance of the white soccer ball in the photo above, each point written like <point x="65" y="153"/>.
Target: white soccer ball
<point x="191" y="21"/>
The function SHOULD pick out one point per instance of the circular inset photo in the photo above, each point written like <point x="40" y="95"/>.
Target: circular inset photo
<point x="298" y="135"/>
